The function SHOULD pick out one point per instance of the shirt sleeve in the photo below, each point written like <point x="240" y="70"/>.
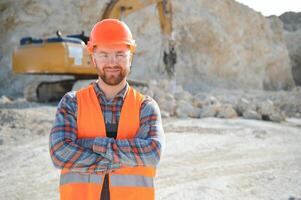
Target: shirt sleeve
<point x="65" y="150"/>
<point x="145" y="149"/>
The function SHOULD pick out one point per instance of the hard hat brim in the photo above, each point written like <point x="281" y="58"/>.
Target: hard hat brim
<point x="131" y="44"/>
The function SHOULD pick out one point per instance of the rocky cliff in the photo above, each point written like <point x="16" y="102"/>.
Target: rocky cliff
<point x="293" y="41"/>
<point x="291" y="21"/>
<point x="292" y="34"/>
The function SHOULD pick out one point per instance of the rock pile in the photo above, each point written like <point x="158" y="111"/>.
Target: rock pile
<point x="258" y="105"/>
<point x="174" y="101"/>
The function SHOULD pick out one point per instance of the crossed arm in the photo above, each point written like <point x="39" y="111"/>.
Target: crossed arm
<point x="105" y="154"/>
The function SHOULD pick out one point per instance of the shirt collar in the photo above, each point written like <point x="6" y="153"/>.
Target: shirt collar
<point x="121" y="94"/>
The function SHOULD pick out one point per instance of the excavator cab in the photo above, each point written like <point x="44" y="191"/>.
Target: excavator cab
<point x="62" y="55"/>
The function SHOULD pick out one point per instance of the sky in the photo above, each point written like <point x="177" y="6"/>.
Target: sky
<point x="273" y="7"/>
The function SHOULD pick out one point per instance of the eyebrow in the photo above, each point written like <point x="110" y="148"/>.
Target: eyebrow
<point x="101" y="52"/>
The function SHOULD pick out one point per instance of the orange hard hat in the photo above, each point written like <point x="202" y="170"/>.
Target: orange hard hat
<point x="111" y="31"/>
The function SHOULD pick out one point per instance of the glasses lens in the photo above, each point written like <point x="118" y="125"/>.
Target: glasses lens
<point x="119" y="56"/>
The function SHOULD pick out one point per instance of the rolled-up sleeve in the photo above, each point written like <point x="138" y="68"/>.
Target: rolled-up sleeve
<point x="64" y="149"/>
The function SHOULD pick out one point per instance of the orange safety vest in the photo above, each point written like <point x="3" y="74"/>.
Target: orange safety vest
<point x="126" y="183"/>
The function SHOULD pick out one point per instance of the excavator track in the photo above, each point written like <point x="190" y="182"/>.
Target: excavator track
<point x="47" y="91"/>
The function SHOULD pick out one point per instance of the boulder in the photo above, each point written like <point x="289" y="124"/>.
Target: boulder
<point x="277" y="117"/>
<point x="227" y="111"/>
<point x="266" y="108"/>
<point x="210" y="111"/>
<point x="195" y="113"/>
<point x="4" y="99"/>
<point x="251" y="114"/>
<point x="197" y="103"/>
<point x="184" y="109"/>
<point x="212" y="100"/>
<point x="269" y="112"/>
<point x="244" y="105"/>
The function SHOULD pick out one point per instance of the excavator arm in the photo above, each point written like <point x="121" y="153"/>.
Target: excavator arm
<point x="121" y="8"/>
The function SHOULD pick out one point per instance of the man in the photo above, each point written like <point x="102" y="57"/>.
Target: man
<point x="107" y="138"/>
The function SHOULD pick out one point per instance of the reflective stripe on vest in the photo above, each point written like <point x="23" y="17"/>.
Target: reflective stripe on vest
<point x="131" y="180"/>
<point x="73" y="177"/>
<point x="115" y="179"/>
<point x="127" y="183"/>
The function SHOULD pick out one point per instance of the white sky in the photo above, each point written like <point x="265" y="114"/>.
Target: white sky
<point x="273" y="7"/>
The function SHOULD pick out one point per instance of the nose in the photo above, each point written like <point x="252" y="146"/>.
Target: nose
<point x="112" y="59"/>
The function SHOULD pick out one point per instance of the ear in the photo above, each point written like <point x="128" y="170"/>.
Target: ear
<point x="93" y="60"/>
<point x="131" y="59"/>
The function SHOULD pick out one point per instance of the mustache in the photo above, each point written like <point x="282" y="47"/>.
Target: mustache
<point x="113" y="67"/>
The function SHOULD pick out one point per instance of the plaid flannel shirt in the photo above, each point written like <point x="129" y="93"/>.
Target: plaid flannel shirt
<point x="104" y="154"/>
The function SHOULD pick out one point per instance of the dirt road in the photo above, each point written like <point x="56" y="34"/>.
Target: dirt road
<point x="231" y="159"/>
<point x="204" y="158"/>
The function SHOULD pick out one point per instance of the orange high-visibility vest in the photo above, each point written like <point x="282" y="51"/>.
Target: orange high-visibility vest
<point x="127" y="183"/>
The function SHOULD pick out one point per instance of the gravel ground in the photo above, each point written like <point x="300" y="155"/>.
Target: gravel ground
<point x="206" y="158"/>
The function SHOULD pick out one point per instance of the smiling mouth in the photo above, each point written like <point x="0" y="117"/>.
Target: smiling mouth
<point x="112" y="70"/>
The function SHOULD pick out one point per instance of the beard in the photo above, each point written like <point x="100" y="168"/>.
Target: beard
<point x="112" y="78"/>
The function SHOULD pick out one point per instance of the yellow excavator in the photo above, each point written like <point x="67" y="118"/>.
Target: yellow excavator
<point x="67" y="55"/>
